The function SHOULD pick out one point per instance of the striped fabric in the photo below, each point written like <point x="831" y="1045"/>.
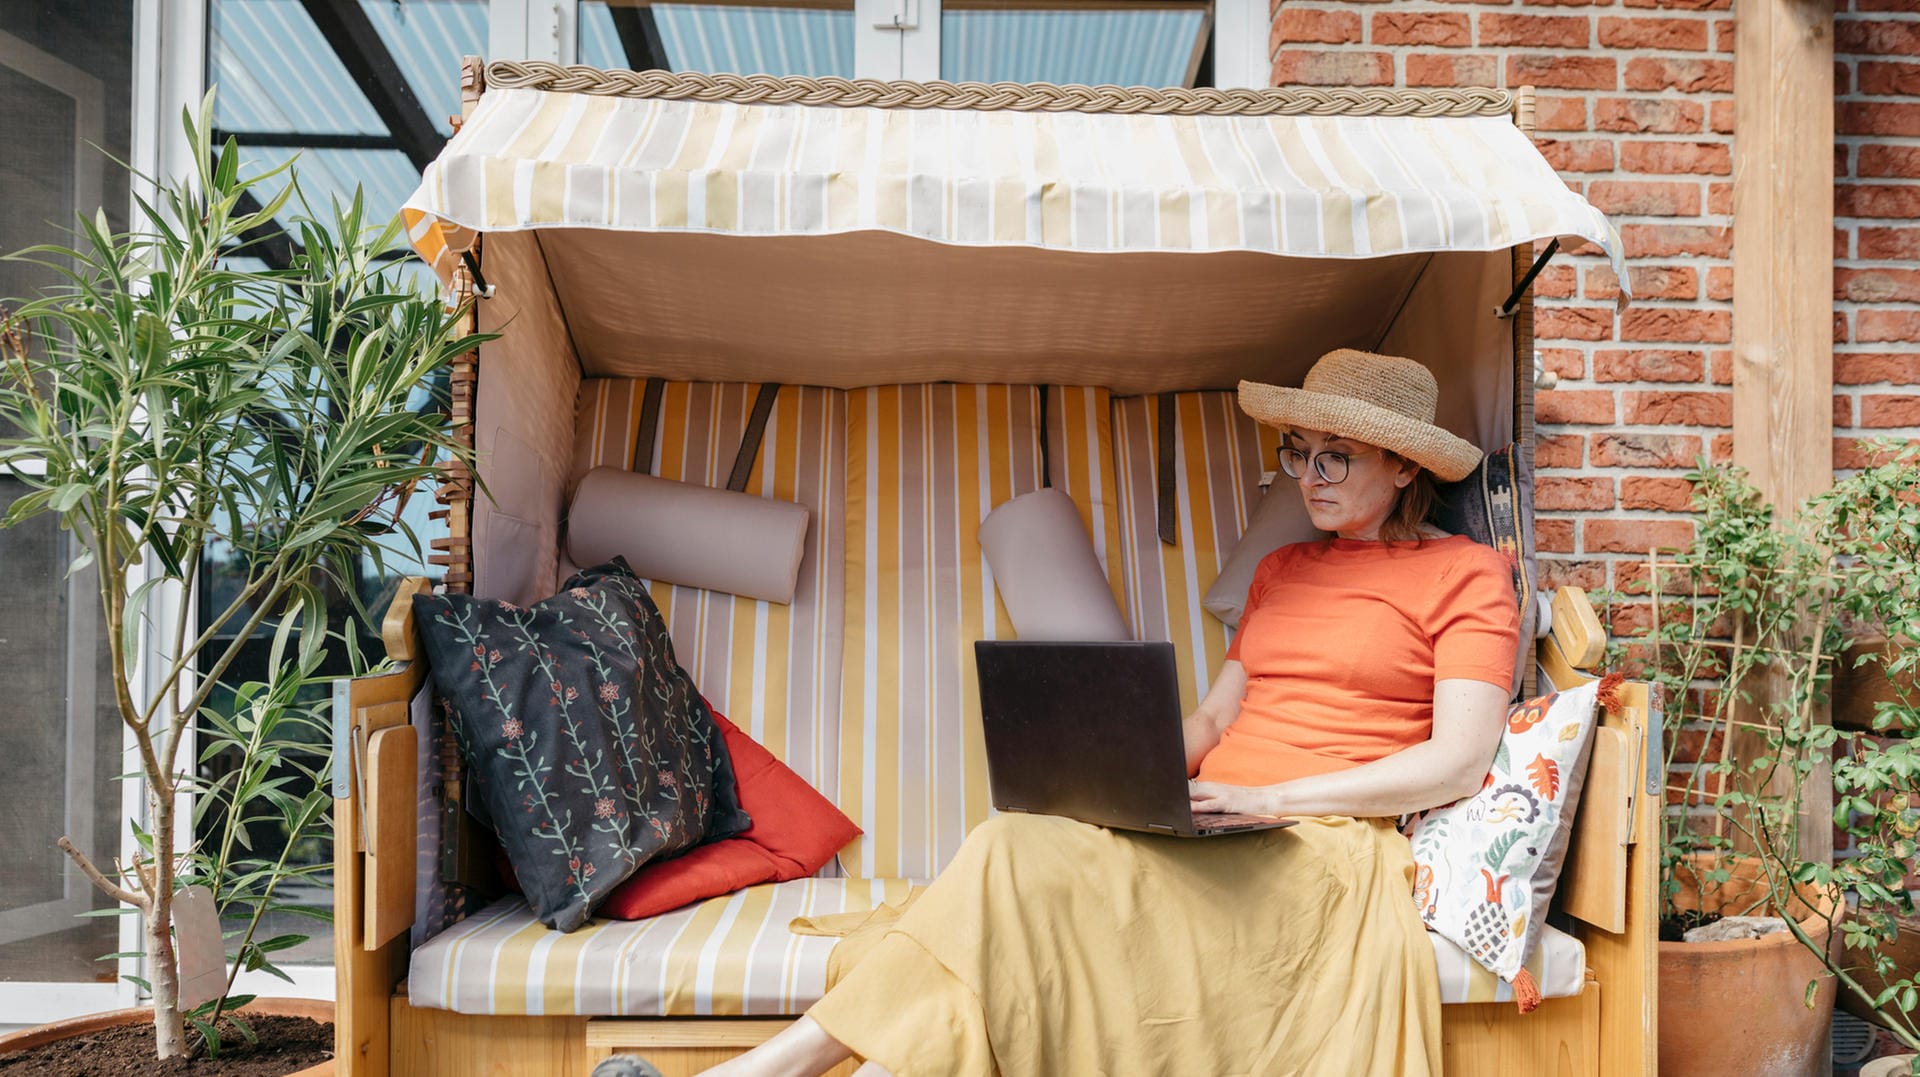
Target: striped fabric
<point x="925" y="463"/>
<point x="728" y="956"/>
<point x="773" y="669"/>
<point x="733" y="956"/>
<point x="1309" y="186"/>
<point x="1080" y="459"/>
<point x="1219" y="455"/>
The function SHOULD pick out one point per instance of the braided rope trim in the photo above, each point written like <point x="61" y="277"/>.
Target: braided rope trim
<point x="1008" y="96"/>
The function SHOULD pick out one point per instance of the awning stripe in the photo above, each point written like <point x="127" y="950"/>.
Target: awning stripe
<point x="1310" y="186"/>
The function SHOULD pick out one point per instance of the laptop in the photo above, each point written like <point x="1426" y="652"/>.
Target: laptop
<point x="1092" y="731"/>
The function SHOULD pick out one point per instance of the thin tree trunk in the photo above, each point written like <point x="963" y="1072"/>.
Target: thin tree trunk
<point x="168" y="1028"/>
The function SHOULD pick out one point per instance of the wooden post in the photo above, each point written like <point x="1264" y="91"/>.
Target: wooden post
<point x="1783" y="277"/>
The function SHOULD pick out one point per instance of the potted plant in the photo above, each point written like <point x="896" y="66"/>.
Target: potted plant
<point x="1745" y="628"/>
<point x="180" y="406"/>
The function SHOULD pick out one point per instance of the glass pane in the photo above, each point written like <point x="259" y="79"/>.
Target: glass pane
<point x="1151" y="47"/>
<point x="717" y="38"/>
<point x="65" y="90"/>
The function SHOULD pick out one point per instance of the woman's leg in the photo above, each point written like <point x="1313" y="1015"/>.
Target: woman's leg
<point x="802" y="1049"/>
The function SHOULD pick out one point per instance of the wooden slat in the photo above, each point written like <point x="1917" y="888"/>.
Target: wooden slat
<point x="441" y="1043"/>
<point x="391" y="785"/>
<point x="1624" y="961"/>
<point x="1577" y="628"/>
<point x="1593" y="885"/>
<point x="1560" y="1039"/>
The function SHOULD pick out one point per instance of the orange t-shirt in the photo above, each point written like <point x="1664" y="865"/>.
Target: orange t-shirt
<point x="1343" y="642"/>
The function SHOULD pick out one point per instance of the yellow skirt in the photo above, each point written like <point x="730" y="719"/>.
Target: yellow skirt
<point x="1052" y="947"/>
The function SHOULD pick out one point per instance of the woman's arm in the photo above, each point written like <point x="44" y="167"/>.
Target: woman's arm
<point x="1467" y="718"/>
<point x="1215" y="713"/>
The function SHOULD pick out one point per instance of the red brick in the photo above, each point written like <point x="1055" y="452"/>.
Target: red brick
<point x="1839" y="327"/>
<point x="1842" y="78"/>
<point x="1451" y="29"/>
<point x="1720" y="368"/>
<point x="1882" y="410"/>
<point x="1679" y="408"/>
<point x="1563" y="72"/>
<point x="1636" y="536"/>
<point x="1720" y="117"/>
<point x="1648" y="364"/>
<point x="1723" y="35"/>
<point x="1553" y="536"/>
<point x="1673" y="34"/>
<point x="1556" y="573"/>
<point x="1700" y="158"/>
<point x="1720" y="198"/>
<point x="1649" y="282"/>
<point x="1880" y="37"/>
<point x="1568" y="494"/>
<point x="1648" y="115"/>
<point x="1895" y="162"/>
<point x="1590" y="406"/>
<point x="1886" y="5"/>
<point x="1661" y="494"/>
<point x="1313" y="68"/>
<point x="1880" y="77"/>
<point x="1877" y="118"/>
<point x="1884" y="325"/>
<point x="1538" y="31"/>
<point x="1875" y="200"/>
<point x="1889" y="244"/>
<point x="1633" y="577"/>
<point x="1573" y="323"/>
<point x="1566" y="362"/>
<point x="1898" y="369"/>
<point x="1556" y="113"/>
<point x="1842" y="412"/>
<point x="1687" y="76"/>
<point x="1684" y="5"/>
<point x="1720" y="450"/>
<point x="1637" y="198"/>
<point x="1853" y="453"/>
<point x="1577" y="155"/>
<point x="1644" y="450"/>
<point x="1720" y="282"/>
<point x="1676" y="323"/>
<point x="1555" y="282"/>
<point x="1667" y="240"/>
<point x="1558" y="450"/>
<point x="1876" y="285"/>
<point x="1426" y="69"/>
<point x="1842" y="236"/>
<point x="1313" y="24"/>
<point x="1690" y="746"/>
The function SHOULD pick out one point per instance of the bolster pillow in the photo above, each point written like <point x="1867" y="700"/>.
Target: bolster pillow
<point x="1047" y="572"/>
<point x="1280" y="518"/>
<point x="697" y="536"/>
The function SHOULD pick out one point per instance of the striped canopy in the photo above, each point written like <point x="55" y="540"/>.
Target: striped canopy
<point x="1302" y="186"/>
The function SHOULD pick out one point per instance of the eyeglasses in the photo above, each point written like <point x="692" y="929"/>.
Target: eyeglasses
<point x="1331" y="465"/>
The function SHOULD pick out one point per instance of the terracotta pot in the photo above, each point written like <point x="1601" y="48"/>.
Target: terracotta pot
<point x="78" y="1026"/>
<point x="1740" y="1007"/>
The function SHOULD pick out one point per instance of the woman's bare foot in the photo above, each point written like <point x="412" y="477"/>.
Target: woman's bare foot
<point x="802" y="1049"/>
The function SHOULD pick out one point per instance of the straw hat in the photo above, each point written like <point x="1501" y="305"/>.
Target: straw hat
<point x="1382" y="400"/>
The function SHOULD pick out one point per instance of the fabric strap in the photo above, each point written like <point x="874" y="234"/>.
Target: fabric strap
<point x="750" y="439"/>
<point x="1163" y="469"/>
<point x="649" y="425"/>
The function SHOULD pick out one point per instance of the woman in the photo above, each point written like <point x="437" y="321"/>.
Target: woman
<point x="1368" y="678"/>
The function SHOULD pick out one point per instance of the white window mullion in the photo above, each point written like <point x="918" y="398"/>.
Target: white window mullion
<point x="1241" y="32"/>
<point x="896" y="39"/>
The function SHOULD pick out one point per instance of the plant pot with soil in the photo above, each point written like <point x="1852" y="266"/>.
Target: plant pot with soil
<point x="293" y="1038"/>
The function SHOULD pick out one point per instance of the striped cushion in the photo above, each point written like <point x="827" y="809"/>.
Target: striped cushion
<point x="773" y="669"/>
<point x="733" y="956"/>
<point x="925" y="463"/>
<point x="1219" y="454"/>
<point x="729" y="956"/>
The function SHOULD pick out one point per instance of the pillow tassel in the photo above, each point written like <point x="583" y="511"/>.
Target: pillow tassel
<point x="1609" y="691"/>
<point x="1526" y="993"/>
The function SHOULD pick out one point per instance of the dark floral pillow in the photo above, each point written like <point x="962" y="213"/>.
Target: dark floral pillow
<point x="586" y="742"/>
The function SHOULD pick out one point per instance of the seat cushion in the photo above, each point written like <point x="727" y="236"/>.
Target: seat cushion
<point x="733" y="956"/>
<point x="728" y="956"/>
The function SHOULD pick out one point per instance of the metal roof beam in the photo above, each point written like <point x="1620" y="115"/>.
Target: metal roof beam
<point x="369" y="62"/>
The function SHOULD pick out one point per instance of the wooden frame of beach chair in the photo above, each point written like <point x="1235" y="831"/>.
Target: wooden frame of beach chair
<point x="1607" y="892"/>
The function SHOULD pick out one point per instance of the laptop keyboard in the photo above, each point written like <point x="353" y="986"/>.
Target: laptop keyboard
<point x="1226" y="820"/>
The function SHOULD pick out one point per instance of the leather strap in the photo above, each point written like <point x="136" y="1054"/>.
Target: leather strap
<point x="1046" y="442"/>
<point x="750" y="440"/>
<point x="1163" y="470"/>
<point x="649" y="425"/>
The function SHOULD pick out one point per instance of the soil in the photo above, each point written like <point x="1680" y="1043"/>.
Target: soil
<point x="1675" y="928"/>
<point x="286" y="1044"/>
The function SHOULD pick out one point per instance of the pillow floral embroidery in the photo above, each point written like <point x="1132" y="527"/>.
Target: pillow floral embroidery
<point x="587" y="744"/>
<point x="1485" y="867"/>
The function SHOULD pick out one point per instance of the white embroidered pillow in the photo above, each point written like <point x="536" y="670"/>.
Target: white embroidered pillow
<point x="1486" y="866"/>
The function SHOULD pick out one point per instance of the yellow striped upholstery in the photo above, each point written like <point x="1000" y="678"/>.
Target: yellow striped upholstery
<point x="925" y="463"/>
<point x="1080" y="442"/>
<point x="733" y="956"/>
<point x="773" y="669"/>
<point x="1219" y="455"/>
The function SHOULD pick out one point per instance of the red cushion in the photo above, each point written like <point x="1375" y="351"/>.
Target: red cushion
<point x="795" y="830"/>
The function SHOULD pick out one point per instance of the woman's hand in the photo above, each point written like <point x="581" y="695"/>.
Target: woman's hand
<point x="1232" y="799"/>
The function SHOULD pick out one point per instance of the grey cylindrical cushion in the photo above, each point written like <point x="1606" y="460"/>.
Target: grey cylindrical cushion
<point x="1047" y="572"/>
<point x="699" y="536"/>
<point x="1280" y="518"/>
